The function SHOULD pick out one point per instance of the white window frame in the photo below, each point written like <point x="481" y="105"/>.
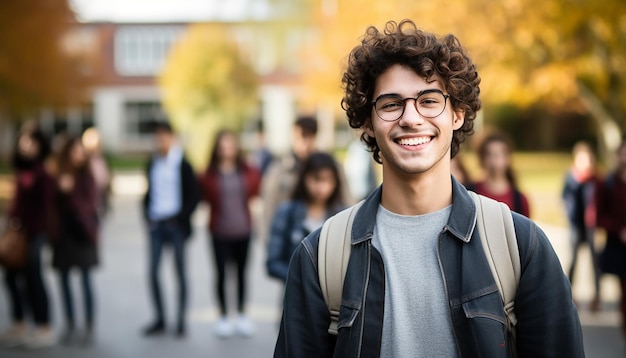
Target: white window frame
<point x="143" y="50"/>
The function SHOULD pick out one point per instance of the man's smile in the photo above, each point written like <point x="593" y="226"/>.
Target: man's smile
<point x="413" y="141"/>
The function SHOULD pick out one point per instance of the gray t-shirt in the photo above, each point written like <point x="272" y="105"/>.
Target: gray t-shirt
<point x="417" y="319"/>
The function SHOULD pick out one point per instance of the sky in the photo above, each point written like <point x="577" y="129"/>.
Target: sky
<point x="168" y="10"/>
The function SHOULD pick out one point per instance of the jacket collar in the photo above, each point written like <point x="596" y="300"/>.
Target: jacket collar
<point x="461" y="223"/>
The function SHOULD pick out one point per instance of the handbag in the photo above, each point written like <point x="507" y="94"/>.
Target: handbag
<point x="13" y="246"/>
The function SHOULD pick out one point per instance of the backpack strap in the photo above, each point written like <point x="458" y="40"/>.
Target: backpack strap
<point x="495" y="222"/>
<point x="333" y="256"/>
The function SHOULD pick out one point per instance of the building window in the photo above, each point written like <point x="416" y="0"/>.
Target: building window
<point x="141" y="116"/>
<point x="142" y="50"/>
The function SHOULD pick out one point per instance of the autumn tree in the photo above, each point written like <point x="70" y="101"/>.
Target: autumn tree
<point x="207" y="86"/>
<point x="34" y="69"/>
<point x="555" y="54"/>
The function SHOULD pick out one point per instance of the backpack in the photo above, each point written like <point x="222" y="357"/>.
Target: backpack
<point x="493" y="221"/>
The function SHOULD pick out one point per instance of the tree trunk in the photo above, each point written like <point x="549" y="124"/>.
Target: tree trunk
<point x="609" y="135"/>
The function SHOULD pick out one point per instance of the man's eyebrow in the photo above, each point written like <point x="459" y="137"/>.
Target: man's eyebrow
<point x="432" y="89"/>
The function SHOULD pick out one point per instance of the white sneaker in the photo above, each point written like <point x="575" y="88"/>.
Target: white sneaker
<point x="244" y="326"/>
<point x="224" y="328"/>
<point x="13" y="337"/>
<point x="41" y="338"/>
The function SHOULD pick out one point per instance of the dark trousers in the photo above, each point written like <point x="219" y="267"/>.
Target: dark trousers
<point x="162" y="234"/>
<point x="584" y="236"/>
<point x="68" y="301"/>
<point x="27" y="291"/>
<point x="231" y="251"/>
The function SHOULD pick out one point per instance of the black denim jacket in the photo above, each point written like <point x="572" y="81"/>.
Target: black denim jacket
<point x="548" y="324"/>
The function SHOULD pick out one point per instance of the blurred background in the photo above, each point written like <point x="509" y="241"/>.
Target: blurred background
<point x="553" y="73"/>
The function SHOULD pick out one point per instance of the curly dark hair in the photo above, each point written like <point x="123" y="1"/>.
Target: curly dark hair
<point x="429" y="56"/>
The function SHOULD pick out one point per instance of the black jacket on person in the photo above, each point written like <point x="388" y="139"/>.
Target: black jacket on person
<point x="547" y="326"/>
<point x="190" y="196"/>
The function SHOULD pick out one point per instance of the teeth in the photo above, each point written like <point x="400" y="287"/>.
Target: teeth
<point x="414" y="141"/>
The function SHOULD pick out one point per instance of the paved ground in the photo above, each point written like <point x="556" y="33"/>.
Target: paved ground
<point x="123" y="300"/>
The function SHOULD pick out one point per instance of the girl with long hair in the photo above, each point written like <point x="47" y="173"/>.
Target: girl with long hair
<point x="228" y="185"/>
<point x="317" y="196"/>
<point x="75" y="242"/>
<point x="29" y="211"/>
<point x="500" y="182"/>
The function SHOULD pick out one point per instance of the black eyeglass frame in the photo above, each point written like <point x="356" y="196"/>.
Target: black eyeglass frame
<point x="432" y="90"/>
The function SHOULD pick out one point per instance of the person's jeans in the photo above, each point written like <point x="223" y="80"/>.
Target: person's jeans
<point x="167" y="233"/>
<point x="236" y="251"/>
<point x="27" y="286"/>
<point x="68" y="301"/>
<point x="584" y="236"/>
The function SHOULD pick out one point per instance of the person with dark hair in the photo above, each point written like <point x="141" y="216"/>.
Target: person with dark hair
<point x="500" y="182"/>
<point x="280" y="178"/>
<point x="579" y="201"/>
<point x="170" y="200"/>
<point x="316" y="197"/>
<point x="417" y="281"/>
<point x="29" y="210"/>
<point x="75" y="236"/>
<point x="228" y="186"/>
<point x="611" y="216"/>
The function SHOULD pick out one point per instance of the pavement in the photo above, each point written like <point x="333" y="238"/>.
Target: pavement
<point x="123" y="306"/>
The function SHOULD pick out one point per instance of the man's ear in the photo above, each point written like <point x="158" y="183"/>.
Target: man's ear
<point x="459" y="119"/>
<point x="367" y="127"/>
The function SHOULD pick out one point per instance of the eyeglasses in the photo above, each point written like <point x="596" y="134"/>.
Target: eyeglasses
<point x="429" y="103"/>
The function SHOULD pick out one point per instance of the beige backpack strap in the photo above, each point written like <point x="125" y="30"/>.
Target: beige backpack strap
<point x="495" y="222"/>
<point x="333" y="256"/>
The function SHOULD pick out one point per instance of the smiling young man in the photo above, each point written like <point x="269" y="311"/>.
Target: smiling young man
<point x="418" y="283"/>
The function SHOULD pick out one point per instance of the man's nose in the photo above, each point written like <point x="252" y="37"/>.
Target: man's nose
<point x="411" y="116"/>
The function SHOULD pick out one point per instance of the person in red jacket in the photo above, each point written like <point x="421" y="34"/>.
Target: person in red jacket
<point x="611" y="215"/>
<point x="228" y="185"/>
<point x="500" y="183"/>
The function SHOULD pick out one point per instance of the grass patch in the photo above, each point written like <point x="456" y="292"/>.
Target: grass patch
<point x="127" y="162"/>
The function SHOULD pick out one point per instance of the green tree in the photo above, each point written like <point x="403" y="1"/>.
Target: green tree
<point x="207" y="86"/>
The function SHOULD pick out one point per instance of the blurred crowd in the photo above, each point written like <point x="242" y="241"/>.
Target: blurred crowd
<point x="62" y="192"/>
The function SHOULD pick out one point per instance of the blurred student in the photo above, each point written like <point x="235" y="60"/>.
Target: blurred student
<point x="171" y="198"/>
<point x="228" y="185"/>
<point x="75" y="238"/>
<point x="578" y="197"/>
<point x="29" y="210"/>
<point x="280" y="178"/>
<point x="500" y="182"/>
<point x="261" y="157"/>
<point x="611" y="215"/>
<point x="317" y="196"/>
<point x="99" y="169"/>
